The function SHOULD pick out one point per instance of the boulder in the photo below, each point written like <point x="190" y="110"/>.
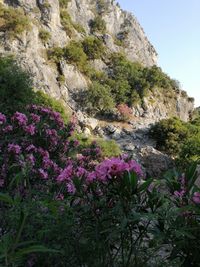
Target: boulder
<point x="154" y="161"/>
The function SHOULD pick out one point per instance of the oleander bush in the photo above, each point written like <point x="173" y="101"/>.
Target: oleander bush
<point x="66" y="205"/>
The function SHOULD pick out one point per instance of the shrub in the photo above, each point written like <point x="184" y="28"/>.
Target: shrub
<point x="44" y="35"/>
<point x="74" y="54"/>
<point x="42" y="99"/>
<point x="109" y="148"/>
<point x="170" y="134"/>
<point x="56" y="54"/>
<point x="93" y="47"/>
<point x="13" y="21"/>
<point x="66" y="22"/>
<point x="99" y="98"/>
<point x="179" y="139"/>
<point x="102" y="6"/>
<point x="80" y="209"/>
<point x="98" y="25"/>
<point x="16" y="86"/>
<point x="63" y="3"/>
<point x="124" y="111"/>
<point x="61" y="79"/>
<point x="16" y="90"/>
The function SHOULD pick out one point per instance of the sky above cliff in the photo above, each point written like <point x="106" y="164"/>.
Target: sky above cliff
<point x="173" y="27"/>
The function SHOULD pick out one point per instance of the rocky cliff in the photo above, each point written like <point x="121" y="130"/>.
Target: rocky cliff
<point x="122" y="33"/>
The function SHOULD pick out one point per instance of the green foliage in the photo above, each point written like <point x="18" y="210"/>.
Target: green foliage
<point x="79" y="28"/>
<point x="15" y="86"/>
<point x="98" y="25"/>
<point x="66" y="22"/>
<point x="61" y="79"/>
<point x="16" y="90"/>
<point x="56" y="54"/>
<point x="44" y="35"/>
<point x="74" y="54"/>
<point x="190" y="151"/>
<point x="93" y="47"/>
<point x="170" y="134"/>
<point x="63" y="3"/>
<point x="179" y="139"/>
<point x="99" y="98"/>
<point x="102" y="6"/>
<point x="13" y="21"/>
<point x="42" y="99"/>
<point x="109" y="148"/>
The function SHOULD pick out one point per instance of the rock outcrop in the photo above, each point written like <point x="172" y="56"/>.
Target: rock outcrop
<point x="121" y="27"/>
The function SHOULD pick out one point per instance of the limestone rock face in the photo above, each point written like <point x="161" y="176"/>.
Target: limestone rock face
<point x="123" y="33"/>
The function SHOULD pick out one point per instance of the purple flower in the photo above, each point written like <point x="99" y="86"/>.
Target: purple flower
<point x="30" y="129"/>
<point x="35" y="118"/>
<point x="71" y="188"/>
<point x="31" y="159"/>
<point x="179" y="194"/>
<point x="46" y="162"/>
<point x="12" y="148"/>
<point x="43" y="152"/>
<point x="65" y="174"/>
<point x="81" y="171"/>
<point x="134" y="166"/>
<point x="20" y="118"/>
<point x="8" y="129"/>
<point x="2" y="118"/>
<point x="196" y="198"/>
<point x="91" y="177"/>
<point x="43" y="174"/>
<point x="31" y="148"/>
<point x="76" y="143"/>
<point x="60" y="197"/>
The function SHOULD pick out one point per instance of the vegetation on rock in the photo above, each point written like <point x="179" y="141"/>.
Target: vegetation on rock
<point x="13" y="21"/>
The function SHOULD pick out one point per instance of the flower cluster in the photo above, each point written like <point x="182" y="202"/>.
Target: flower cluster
<point x="124" y="111"/>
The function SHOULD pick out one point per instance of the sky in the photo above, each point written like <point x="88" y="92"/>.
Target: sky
<point x="173" y="27"/>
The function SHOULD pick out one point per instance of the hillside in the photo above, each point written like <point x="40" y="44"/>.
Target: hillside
<point x="59" y="43"/>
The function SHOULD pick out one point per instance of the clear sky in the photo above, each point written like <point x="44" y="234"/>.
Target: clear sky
<point x="173" y="27"/>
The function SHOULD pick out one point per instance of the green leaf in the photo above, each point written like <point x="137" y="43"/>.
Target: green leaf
<point x="145" y="185"/>
<point x="6" y="198"/>
<point x="191" y="175"/>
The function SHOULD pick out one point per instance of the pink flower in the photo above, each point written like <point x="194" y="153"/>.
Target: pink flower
<point x="46" y="162"/>
<point x="30" y="129"/>
<point x="91" y="177"/>
<point x="31" y="159"/>
<point x="8" y="129"/>
<point x="60" y="197"/>
<point x="71" y="188"/>
<point x="20" y="118"/>
<point x="80" y="172"/>
<point x="31" y="148"/>
<point x="196" y="198"/>
<point x="35" y="118"/>
<point x="2" y="118"/>
<point x="134" y="166"/>
<point x="43" y="174"/>
<point x="16" y="149"/>
<point x="65" y="174"/>
<point x="179" y="194"/>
